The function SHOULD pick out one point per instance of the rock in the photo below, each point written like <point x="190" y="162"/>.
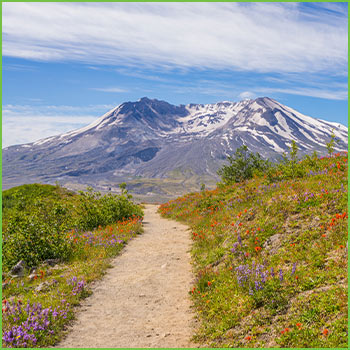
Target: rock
<point x="19" y="269"/>
<point x="51" y="262"/>
<point x="58" y="267"/>
<point x="32" y="276"/>
<point x="42" y="287"/>
<point x="273" y="243"/>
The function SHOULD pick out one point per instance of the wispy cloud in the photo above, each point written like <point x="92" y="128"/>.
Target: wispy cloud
<point x="18" y="67"/>
<point x="311" y="92"/>
<point x="264" y="37"/>
<point x="111" y="89"/>
<point x="25" y="123"/>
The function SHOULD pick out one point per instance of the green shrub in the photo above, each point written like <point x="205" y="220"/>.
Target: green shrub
<point x="37" y="236"/>
<point x="289" y="167"/>
<point x="39" y="217"/>
<point x="330" y="145"/>
<point x="243" y="165"/>
<point x="96" y="210"/>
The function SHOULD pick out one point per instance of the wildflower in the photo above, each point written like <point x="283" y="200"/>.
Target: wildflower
<point x="294" y="268"/>
<point x="325" y="332"/>
<point x="286" y="330"/>
<point x="248" y="338"/>
<point x="257" y="249"/>
<point x="209" y="283"/>
<point x="280" y="275"/>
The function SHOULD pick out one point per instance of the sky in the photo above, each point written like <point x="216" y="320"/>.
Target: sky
<point x="66" y="64"/>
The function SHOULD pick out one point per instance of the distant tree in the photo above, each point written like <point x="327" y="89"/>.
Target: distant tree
<point x="331" y="143"/>
<point x="243" y="165"/>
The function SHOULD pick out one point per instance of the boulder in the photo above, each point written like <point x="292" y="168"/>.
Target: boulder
<point x="19" y="269"/>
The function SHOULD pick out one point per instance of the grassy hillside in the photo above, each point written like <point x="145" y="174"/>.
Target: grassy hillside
<point x="270" y="257"/>
<point x="65" y="241"/>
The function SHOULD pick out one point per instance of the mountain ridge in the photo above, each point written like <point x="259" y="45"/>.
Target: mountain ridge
<point x="152" y="138"/>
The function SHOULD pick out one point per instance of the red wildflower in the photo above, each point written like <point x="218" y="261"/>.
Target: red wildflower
<point x="325" y="332"/>
<point x="248" y="337"/>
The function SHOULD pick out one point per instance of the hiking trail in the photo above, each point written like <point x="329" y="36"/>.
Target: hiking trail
<point x="143" y="300"/>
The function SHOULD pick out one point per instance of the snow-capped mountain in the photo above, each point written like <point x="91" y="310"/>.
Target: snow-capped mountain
<point x="151" y="138"/>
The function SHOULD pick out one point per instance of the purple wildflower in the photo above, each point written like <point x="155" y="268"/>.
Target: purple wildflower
<point x="280" y="275"/>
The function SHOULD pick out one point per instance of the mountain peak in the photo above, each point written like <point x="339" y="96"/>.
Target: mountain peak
<point x="146" y="99"/>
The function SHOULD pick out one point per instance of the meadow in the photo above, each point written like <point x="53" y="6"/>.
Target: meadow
<point x="270" y="256"/>
<point x="65" y="241"/>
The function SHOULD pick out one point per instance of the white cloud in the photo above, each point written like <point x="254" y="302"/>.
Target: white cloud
<point x="246" y="95"/>
<point x="265" y="37"/>
<point x="24" y="124"/>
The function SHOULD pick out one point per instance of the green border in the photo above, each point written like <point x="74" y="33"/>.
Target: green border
<point x="145" y="1"/>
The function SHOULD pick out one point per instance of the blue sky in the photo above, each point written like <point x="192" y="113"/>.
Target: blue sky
<point x="65" y="64"/>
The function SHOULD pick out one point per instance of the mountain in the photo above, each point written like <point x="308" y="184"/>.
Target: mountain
<point x="154" y="139"/>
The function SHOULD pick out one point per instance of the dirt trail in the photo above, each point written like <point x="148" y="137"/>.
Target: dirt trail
<point x="143" y="300"/>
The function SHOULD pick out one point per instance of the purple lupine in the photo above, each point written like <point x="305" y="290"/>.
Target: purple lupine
<point x="233" y="249"/>
<point x="280" y="275"/>
<point x="239" y="239"/>
<point x="294" y="268"/>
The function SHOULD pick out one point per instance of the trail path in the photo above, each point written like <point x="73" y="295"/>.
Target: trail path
<point x="143" y="300"/>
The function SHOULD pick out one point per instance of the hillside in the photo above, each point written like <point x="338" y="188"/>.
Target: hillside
<point x="271" y="259"/>
<point x="159" y="148"/>
<point x="54" y="244"/>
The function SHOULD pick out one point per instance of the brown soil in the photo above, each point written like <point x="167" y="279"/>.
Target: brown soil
<point x="143" y="301"/>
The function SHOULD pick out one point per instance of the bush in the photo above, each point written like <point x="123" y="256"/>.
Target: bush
<point x="37" y="236"/>
<point x="243" y="166"/>
<point x="36" y="229"/>
<point x="289" y="167"/>
<point x="95" y="210"/>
